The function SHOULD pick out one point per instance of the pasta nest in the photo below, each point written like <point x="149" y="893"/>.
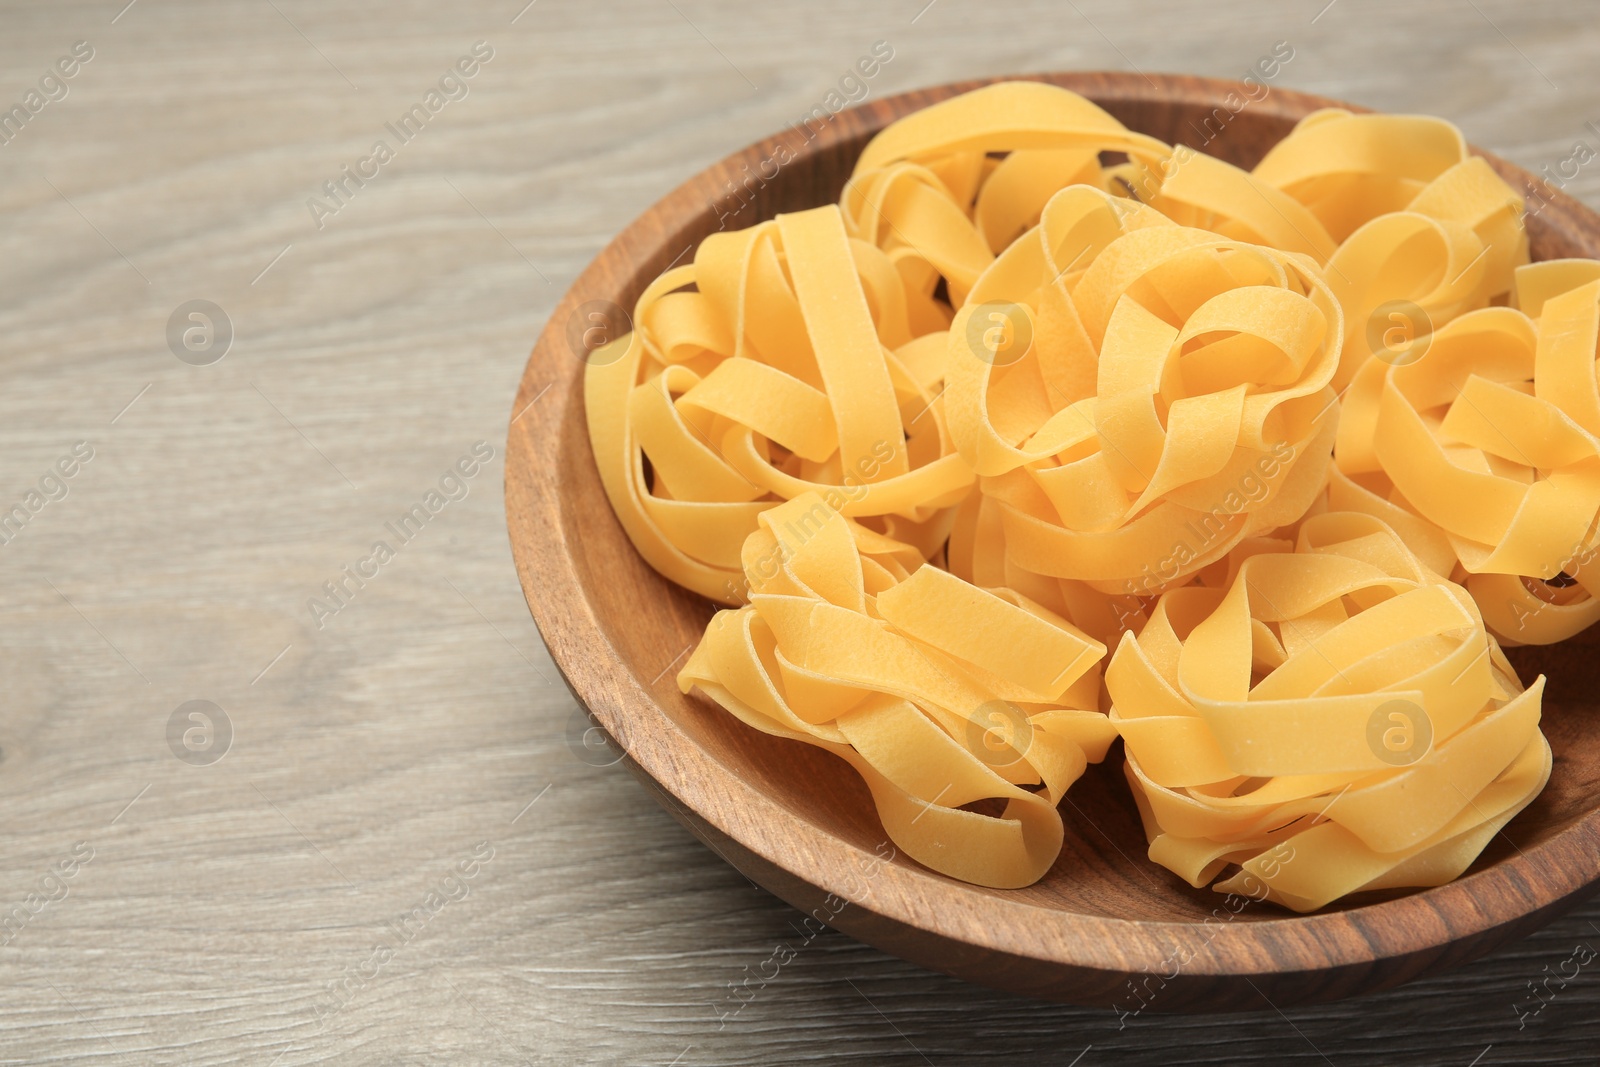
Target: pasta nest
<point x="1484" y="450"/>
<point x="1332" y="717"/>
<point x="780" y="362"/>
<point x="968" y="712"/>
<point x="1139" y="396"/>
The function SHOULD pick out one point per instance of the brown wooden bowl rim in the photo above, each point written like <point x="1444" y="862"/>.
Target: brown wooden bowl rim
<point x="1557" y="871"/>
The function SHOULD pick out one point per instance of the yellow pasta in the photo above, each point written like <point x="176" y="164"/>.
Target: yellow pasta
<point x="941" y="694"/>
<point x="1490" y="437"/>
<point x="1173" y="399"/>
<point x="1333" y="719"/>
<point x="1202" y="191"/>
<point x="1299" y="441"/>
<point x="789" y="367"/>
<point x="926" y="192"/>
<point x="1348" y="169"/>
<point x="1453" y="249"/>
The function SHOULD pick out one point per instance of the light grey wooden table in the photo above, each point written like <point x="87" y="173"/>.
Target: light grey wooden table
<point x="402" y="856"/>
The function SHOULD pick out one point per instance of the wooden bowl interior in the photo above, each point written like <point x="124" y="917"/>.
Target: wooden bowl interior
<point x="651" y="624"/>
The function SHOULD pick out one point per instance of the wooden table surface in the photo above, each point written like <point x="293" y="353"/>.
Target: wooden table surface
<point x="405" y="854"/>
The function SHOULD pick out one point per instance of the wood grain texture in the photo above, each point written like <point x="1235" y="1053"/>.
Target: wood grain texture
<point x="379" y="750"/>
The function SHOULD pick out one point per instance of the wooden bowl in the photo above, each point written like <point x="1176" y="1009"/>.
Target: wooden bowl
<point x="801" y="823"/>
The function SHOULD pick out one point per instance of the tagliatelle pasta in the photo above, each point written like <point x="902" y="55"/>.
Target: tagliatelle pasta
<point x="1172" y="371"/>
<point x="1453" y="249"/>
<point x="921" y="189"/>
<point x="1298" y="440"/>
<point x="789" y="367"/>
<point x="1348" y="169"/>
<point x="1334" y="719"/>
<point x="941" y="695"/>
<point x="1490" y="437"/>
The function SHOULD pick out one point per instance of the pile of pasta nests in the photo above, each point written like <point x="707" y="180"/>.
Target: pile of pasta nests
<point x="1048" y="434"/>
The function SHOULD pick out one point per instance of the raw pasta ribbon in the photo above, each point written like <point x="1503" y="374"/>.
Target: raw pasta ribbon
<point x="1333" y="718"/>
<point x="1425" y="230"/>
<point x="1488" y="446"/>
<point x="780" y="362"/>
<point x="928" y="191"/>
<point x="968" y="712"/>
<point x="1163" y="394"/>
<point x="1348" y="169"/>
